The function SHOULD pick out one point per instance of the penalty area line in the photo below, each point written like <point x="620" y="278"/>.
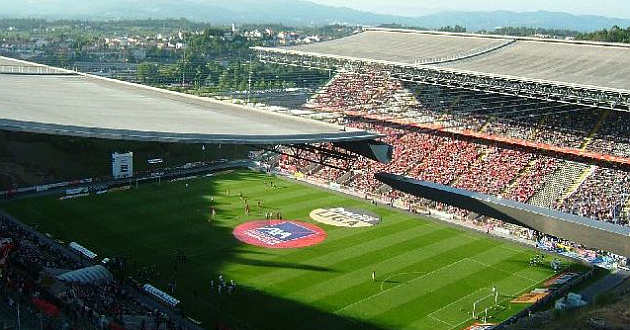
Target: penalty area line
<point x="458" y="300"/>
<point x="387" y="290"/>
<point x="398" y="274"/>
<point x="503" y="271"/>
<point x="441" y="321"/>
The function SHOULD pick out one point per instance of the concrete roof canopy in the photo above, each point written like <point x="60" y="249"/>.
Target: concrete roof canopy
<point x="399" y="47"/>
<point x="570" y="63"/>
<point x="593" y="64"/>
<point x="84" y="105"/>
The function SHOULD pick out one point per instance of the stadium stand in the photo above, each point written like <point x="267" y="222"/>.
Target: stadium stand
<point x="402" y="47"/>
<point x="373" y="101"/>
<point x="90" y="106"/>
<point x="583" y="63"/>
<point x="30" y="261"/>
<point x="579" y="64"/>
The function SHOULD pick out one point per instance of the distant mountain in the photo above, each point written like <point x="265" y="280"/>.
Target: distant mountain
<point x="475" y="21"/>
<point x="290" y="12"/>
<point x="293" y="12"/>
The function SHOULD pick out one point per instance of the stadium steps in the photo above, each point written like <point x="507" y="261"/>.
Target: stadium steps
<point x="595" y="129"/>
<point x="345" y="178"/>
<point x="312" y="169"/>
<point x="384" y="189"/>
<point x="479" y="161"/>
<point x="486" y="124"/>
<point x="311" y="103"/>
<point x="485" y="152"/>
<point x="585" y="174"/>
<point x="525" y="171"/>
<point x="559" y="184"/>
<point x="625" y="212"/>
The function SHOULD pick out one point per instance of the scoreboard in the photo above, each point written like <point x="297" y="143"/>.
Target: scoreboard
<point x="122" y="165"/>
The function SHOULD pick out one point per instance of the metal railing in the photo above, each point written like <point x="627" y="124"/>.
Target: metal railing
<point x="32" y="70"/>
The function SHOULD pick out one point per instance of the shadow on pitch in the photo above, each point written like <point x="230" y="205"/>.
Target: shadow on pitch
<point x="279" y="264"/>
<point x="163" y="230"/>
<point x="249" y="308"/>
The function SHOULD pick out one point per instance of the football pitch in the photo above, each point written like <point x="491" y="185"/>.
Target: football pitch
<point x="428" y="275"/>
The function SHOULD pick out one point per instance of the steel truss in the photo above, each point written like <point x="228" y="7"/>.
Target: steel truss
<point x="323" y="154"/>
<point x="583" y="95"/>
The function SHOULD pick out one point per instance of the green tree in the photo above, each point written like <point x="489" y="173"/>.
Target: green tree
<point x="147" y="73"/>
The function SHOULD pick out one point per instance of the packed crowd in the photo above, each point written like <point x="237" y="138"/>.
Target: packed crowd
<point x="32" y="253"/>
<point x="613" y="138"/>
<point x="369" y="92"/>
<point x="560" y="125"/>
<point x="443" y="160"/>
<point x="330" y="173"/>
<point x="27" y="262"/>
<point x="492" y="173"/>
<point x="603" y="195"/>
<point x="98" y="304"/>
<point x="512" y="174"/>
<point x="525" y="186"/>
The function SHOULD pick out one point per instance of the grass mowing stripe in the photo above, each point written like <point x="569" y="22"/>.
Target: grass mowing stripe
<point x="427" y="323"/>
<point x="354" y="237"/>
<point x="364" y="257"/>
<point x="519" y="265"/>
<point x="153" y="222"/>
<point x="402" y="295"/>
<point x="336" y="236"/>
<point x="441" y="295"/>
<point x="359" y="307"/>
<point x="357" y="284"/>
<point x="499" y="269"/>
<point x="361" y="254"/>
<point x="457" y="312"/>
<point x="419" y="267"/>
<point x="292" y="205"/>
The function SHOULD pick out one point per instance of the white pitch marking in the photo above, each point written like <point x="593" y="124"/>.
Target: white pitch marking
<point x="456" y="301"/>
<point x="503" y="271"/>
<point x="384" y="291"/>
<point x="397" y="274"/>
<point x="437" y="319"/>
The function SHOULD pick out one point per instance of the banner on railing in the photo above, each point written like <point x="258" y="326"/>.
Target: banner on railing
<point x="76" y="191"/>
<point x="161" y="295"/>
<point x="82" y="250"/>
<point x="63" y="198"/>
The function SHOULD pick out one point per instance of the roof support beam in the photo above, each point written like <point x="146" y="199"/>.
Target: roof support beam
<point x="591" y="233"/>
<point x="375" y="150"/>
<point x="589" y="96"/>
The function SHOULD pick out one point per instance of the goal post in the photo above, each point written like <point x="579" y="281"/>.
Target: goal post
<point x="486" y="302"/>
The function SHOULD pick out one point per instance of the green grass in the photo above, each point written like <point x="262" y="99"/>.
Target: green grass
<point x="428" y="274"/>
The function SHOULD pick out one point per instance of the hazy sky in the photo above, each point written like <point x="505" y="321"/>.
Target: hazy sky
<point x="612" y="8"/>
